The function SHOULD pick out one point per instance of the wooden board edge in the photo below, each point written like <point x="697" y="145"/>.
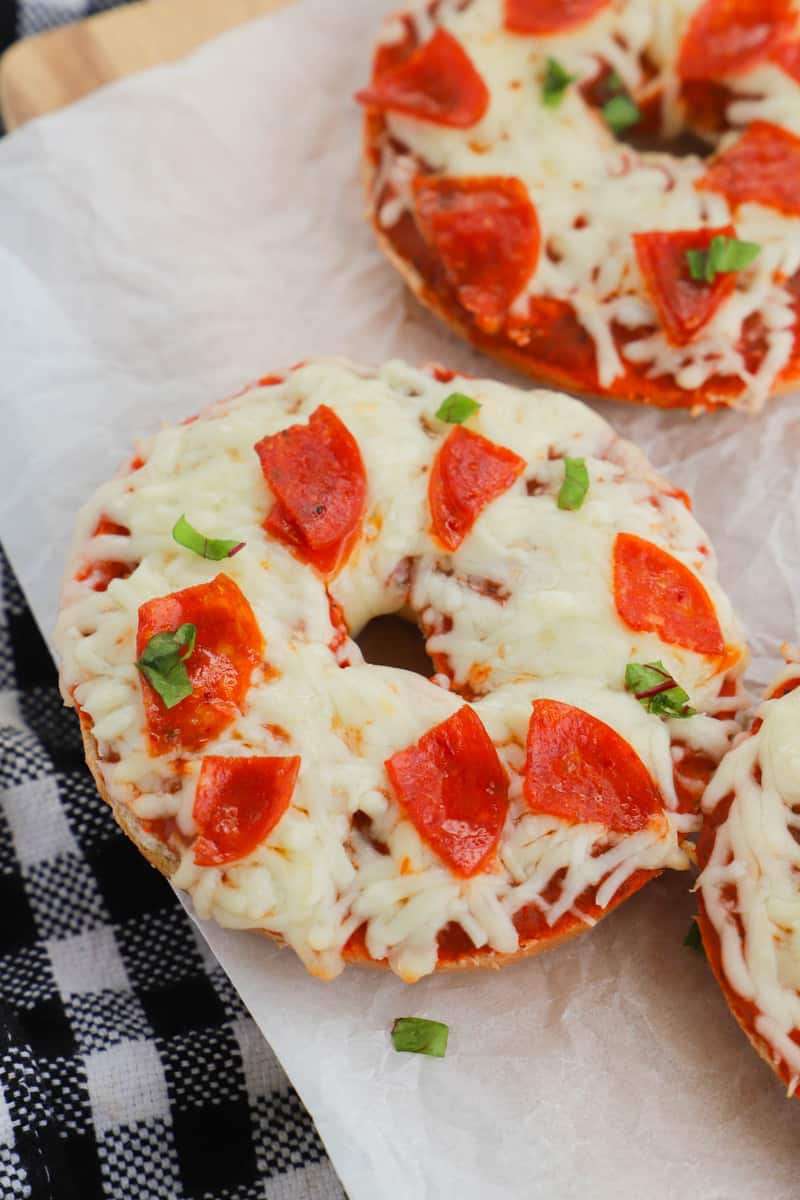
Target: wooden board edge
<point x="50" y="70"/>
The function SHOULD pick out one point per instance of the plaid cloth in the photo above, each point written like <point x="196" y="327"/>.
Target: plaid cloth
<point x="128" y="1067"/>
<point x="20" y="18"/>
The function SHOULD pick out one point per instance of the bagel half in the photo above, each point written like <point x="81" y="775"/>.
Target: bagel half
<point x="361" y="812"/>
<point x="548" y="243"/>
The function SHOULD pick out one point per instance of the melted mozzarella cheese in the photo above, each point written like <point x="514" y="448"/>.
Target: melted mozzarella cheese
<point x="578" y="174"/>
<point x="756" y="859"/>
<point x="523" y="609"/>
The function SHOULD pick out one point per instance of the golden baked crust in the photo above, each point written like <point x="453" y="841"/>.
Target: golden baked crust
<point x="157" y="853"/>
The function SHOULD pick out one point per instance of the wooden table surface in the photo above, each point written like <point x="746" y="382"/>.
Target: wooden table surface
<point x="43" y="73"/>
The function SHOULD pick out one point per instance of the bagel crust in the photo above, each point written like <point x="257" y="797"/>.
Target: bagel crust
<point x="536" y="234"/>
<point x="748" y="896"/>
<point x="362" y="813"/>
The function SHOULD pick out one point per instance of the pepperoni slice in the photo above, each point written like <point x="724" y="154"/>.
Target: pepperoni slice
<point x="452" y="786"/>
<point x="486" y="233"/>
<point x="762" y="167"/>
<point x="728" y="37"/>
<point x="787" y="56"/>
<point x="437" y="83"/>
<point x="684" y="304"/>
<point x="317" y="476"/>
<point x="238" y="802"/>
<point x="655" y="593"/>
<point x="581" y="770"/>
<point x="467" y="474"/>
<point x="549" y="16"/>
<point x="227" y="648"/>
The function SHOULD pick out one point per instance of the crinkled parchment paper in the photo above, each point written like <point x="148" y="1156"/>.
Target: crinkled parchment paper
<point x="183" y="232"/>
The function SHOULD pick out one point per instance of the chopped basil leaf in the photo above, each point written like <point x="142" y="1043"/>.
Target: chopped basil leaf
<point x="614" y="84"/>
<point x="456" y="408"/>
<point x="723" y="255"/>
<point x="693" y="938"/>
<point x="556" y="82"/>
<point x="163" y="663"/>
<point x="416" y="1035"/>
<point x="698" y="261"/>
<point x="576" y="484"/>
<point x="657" y="691"/>
<point x="620" y="112"/>
<point x="213" y="548"/>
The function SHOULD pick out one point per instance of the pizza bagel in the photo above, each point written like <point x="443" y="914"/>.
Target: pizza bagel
<point x="586" y="665"/>
<point x="748" y="891"/>
<point x="498" y="183"/>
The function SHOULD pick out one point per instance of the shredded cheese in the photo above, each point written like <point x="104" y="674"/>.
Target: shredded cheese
<point x="524" y="608"/>
<point x="751" y="883"/>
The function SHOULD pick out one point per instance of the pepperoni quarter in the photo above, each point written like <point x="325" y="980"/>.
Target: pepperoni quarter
<point x="467" y="474"/>
<point x="655" y="593"/>
<point x="787" y="56"/>
<point x="437" y="83"/>
<point x="549" y="16"/>
<point x="762" y="167"/>
<point x="684" y="304"/>
<point x="227" y="647"/>
<point x="579" y="769"/>
<point x="317" y="476"/>
<point x="238" y="802"/>
<point x="728" y="37"/>
<point x="452" y="787"/>
<point x="486" y="233"/>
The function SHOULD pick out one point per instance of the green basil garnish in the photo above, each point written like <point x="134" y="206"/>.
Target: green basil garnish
<point x="724" y="254"/>
<point x="416" y="1035"/>
<point x="657" y="691"/>
<point x="620" y="112"/>
<point x="576" y="484"/>
<point x="555" y="83"/>
<point x="456" y="407"/>
<point x="214" y="548"/>
<point x="163" y="663"/>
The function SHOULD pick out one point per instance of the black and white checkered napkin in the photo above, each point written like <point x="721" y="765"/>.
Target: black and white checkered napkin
<point x="129" y="1069"/>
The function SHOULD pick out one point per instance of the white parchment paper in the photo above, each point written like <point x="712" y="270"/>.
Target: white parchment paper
<point x="183" y="232"/>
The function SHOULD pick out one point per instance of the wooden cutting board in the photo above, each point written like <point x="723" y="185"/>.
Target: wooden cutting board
<point x="50" y="70"/>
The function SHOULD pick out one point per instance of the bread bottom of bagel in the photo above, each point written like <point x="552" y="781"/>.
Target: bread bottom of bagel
<point x="459" y="955"/>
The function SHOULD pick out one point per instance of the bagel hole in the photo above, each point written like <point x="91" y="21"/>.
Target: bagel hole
<point x="683" y="145"/>
<point x="706" y="111"/>
<point x="363" y="823"/>
<point x="390" y="641"/>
